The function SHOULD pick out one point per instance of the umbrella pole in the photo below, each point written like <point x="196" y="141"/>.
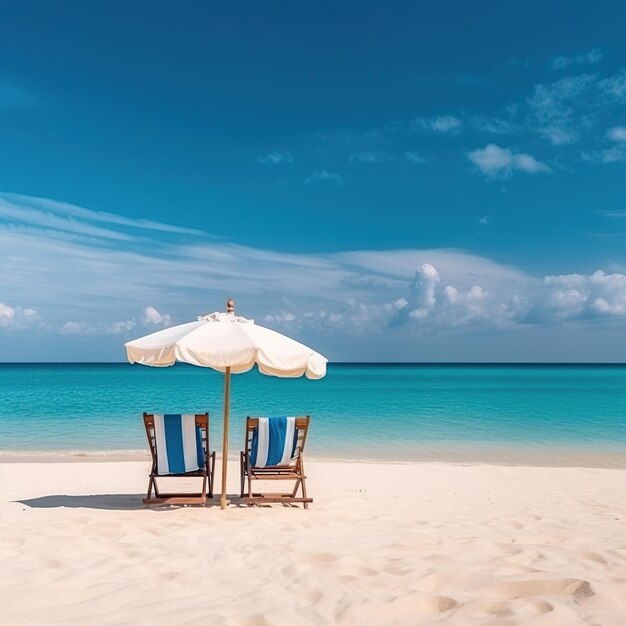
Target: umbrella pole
<point x="223" y="500"/>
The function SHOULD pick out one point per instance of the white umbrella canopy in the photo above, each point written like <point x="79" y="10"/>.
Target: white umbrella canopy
<point x="230" y="344"/>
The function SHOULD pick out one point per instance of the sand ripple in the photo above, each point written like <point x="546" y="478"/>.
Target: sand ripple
<point x="506" y="549"/>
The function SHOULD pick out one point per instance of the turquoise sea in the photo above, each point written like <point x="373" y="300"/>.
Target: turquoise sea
<point x="508" y="413"/>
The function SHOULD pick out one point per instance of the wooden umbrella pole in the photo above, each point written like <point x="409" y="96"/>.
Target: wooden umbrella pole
<point x="223" y="500"/>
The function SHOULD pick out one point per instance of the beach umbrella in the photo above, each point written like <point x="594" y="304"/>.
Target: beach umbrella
<point x="232" y="345"/>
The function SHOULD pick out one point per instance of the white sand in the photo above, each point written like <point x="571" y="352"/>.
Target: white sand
<point x="382" y="544"/>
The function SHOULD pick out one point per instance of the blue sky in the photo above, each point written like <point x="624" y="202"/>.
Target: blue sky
<point x="384" y="181"/>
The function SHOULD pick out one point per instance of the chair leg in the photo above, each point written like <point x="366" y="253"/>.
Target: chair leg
<point x="303" y="481"/>
<point x="205" y="480"/>
<point x="150" y="481"/>
<point x="211" y="473"/>
<point x="242" y="470"/>
<point x="295" y="489"/>
<point x="156" y="488"/>
<point x="249" y="486"/>
<point x="306" y="504"/>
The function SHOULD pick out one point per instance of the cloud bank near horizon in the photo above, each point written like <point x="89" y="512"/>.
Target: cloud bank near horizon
<point x="55" y="281"/>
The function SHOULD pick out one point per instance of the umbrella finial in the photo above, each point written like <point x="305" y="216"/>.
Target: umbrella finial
<point x="230" y="306"/>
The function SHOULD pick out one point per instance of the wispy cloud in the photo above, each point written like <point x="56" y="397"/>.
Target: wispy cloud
<point x="617" y="133"/>
<point x="495" y="125"/>
<point x="72" y="218"/>
<point x="15" y="214"/>
<point x="440" y="124"/>
<point x="97" y="328"/>
<point x="613" y="88"/>
<point x="324" y="175"/>
<point x="591" y="58"/>
<point x="85" y="289"/>
<point x="614" y="153"/>
<point x="484" y="220"/>
<point x="564" y="110"/>
<point x="497" y="162"/>
<point x="415" y="158"/>
<point x="275" y="157"/>
<point x="555" y="108"/>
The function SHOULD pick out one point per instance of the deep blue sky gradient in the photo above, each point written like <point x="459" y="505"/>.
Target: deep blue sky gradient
<point x="167" y="111"/>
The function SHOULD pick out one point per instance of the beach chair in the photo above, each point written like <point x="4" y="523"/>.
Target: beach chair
<point x="273" y="450"/>
<point x="179" y="445"/>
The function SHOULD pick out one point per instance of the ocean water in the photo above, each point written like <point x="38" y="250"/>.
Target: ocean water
<point x="539" y="413"/>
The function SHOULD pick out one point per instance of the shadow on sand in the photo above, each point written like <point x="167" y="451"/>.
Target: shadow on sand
<point x="113" y="502"/>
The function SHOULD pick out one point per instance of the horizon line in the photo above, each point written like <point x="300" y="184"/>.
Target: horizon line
<point x="407" y="363"/>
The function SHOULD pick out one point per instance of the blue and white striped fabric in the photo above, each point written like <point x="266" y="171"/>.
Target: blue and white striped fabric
<point x="178" y="444"/>
<point x="274" y="442"/>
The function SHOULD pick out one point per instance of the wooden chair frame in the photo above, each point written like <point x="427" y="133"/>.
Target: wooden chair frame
<point x="295" y="471"/>
<point x="206" y="472"/>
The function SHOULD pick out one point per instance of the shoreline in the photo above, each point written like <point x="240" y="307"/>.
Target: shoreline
<point x="539" y="456"/>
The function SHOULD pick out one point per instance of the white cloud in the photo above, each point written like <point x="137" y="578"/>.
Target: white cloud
<point x="75" y="328"/>
<point x="7" y="314"/>
<point x="494" y="161"/>
<point x="18" y="318"/>
<point x="280" y="317"/>
<point x="275" y="157"/>
<point x="324" y="175"/>
<point x="151" y="317"/>
<point x="386" y="293"/>
<point x="121" y="328"/>
<point x="591" y="58"/>
<point x="617" y="133"/>
<point x="440" y="124"/>
<point x="579" y="296"/>
<point x="423" y="289"/>
<point x="397" y="305"/>
<point x="573" y="298"/>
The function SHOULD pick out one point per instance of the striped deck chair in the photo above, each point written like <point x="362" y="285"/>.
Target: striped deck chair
<point x="274" y="451"/>
<point x="179" y="445"/>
